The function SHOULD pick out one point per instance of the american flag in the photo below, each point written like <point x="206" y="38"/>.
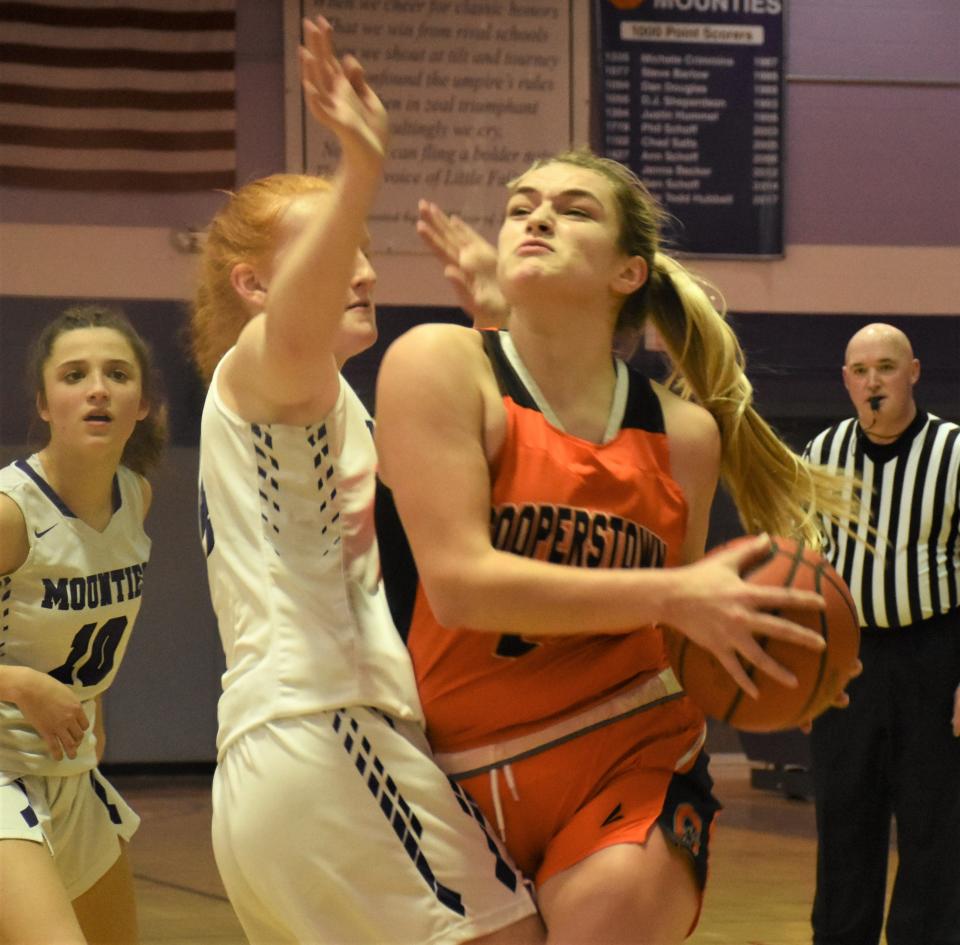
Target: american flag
<point x="122" y="95"/>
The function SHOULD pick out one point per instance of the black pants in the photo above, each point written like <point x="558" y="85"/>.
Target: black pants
<point x="891" y="753"/>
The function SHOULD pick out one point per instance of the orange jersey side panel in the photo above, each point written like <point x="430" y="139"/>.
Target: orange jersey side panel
<point x="565" y="500"/>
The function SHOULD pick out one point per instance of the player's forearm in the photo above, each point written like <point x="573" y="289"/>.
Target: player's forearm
<point x="306" y="299"/>
<point x="11" y="683"/>
<point x="504" y="593"/>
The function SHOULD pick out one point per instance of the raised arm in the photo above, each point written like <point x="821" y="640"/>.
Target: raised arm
<point x="439" y="424"/>
<point x="285" y="357"/>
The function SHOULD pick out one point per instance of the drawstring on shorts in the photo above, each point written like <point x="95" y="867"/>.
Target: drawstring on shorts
<point x="495" y="792"/>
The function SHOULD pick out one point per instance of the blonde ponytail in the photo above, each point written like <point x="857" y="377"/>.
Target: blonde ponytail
<point x="774" y="489"/>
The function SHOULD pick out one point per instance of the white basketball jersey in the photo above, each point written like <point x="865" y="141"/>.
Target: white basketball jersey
<point x="287" y="525"/>
<point x="69" y="608"/>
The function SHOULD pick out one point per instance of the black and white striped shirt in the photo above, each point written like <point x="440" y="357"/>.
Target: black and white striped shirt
<point x="911" y="494"/>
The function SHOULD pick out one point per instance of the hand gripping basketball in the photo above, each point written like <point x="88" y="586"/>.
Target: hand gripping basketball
<point x="821" y="676"/>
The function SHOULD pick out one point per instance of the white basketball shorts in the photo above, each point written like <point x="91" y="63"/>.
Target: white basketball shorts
<point x="339" y="828"/>
<point x="80" y="818"/>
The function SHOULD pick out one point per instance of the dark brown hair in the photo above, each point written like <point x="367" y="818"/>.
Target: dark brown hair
<point x="143" y="450"/>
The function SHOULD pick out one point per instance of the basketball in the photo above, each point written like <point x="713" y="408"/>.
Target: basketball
<point x="821" y="676"/>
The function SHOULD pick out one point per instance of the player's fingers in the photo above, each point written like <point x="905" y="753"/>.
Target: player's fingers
<point x="461" y="230"/>
<point x="456" y="275"/>
<point x="426" y="213"/>
<point x="428" y="229"/>
<point x="307" y="65"/>
<point x="765" y="663"/>
<point x="311" y="77"/>
<point x="429" y="235"/>
<point x="53" y="746"/>
<point x="769" y="625"/>
<point x="318" y="36"/>
<point x="316" y="53"/>
<point x="747" y="553"/>
<point x="316" y="100"/>
<point x="310" y="32"/>
<point x="355" y="76"/>
<point x="446" y="228"/>
<point x="728" y="659"/>
<point x="310" y="50"/>
<point x="764" y="597"/>
<point x="429" y="210"/>
<point x="432" y="216"/>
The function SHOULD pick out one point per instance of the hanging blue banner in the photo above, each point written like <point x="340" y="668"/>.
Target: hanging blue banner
<point x="689" y="94"/>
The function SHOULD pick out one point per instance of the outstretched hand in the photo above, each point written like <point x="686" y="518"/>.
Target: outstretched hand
<point x="725" y="614"/>
<point x="469" y="264"/>
<point x="337" y="94"/>
<point x="53" y="710"/>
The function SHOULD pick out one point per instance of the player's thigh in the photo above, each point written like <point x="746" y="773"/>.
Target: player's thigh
<point x="627" y="894"/>
<point x="344" y="830"/>
<point x="107" y="911"/>
<point x="34" y="907"/>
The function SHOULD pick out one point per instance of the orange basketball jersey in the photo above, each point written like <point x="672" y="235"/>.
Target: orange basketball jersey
<point x="560" y="499"/>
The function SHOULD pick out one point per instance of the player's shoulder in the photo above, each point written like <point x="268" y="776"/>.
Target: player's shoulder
<point x="431" y="336"/>
<point x="684" y="416"/>
<point x="11" y="476"/>
<point x="16" y="488"/>
<point x="694" y="437"/>
<point x="14" y="542"/>
<point x="137" y="487"/>
<point x="433" y="349"/>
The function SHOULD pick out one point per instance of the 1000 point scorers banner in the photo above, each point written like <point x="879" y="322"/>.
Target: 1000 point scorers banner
<point x="689" y="94"/>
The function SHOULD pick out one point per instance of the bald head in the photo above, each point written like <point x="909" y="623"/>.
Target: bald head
<point x="880" y="335"/>
<point x="879" y="373"/>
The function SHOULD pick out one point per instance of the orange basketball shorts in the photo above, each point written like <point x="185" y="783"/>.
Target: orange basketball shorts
<point x="607" y="786"/>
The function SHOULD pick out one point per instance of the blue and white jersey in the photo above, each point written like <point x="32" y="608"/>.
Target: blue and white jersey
<point x="68" y="610"/>
<point x="287" y="525"/>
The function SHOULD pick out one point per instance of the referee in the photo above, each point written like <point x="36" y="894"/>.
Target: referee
<point x="895" y="752"/>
